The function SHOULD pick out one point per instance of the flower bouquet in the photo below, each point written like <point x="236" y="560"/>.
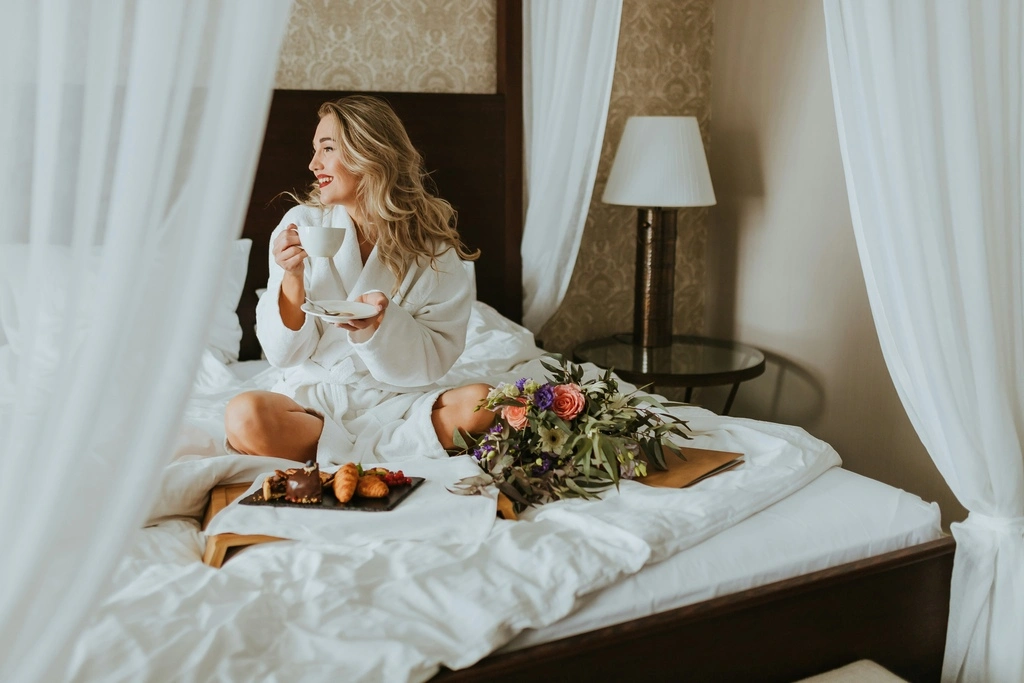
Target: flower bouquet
<point x="566" y="437"/>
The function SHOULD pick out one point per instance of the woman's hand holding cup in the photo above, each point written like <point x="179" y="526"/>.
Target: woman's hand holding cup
<point x="288" y="251"/>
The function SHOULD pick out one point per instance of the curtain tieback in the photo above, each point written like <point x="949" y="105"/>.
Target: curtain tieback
<point x="1004" y="524"/>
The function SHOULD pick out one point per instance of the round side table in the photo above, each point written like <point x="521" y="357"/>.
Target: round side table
<point x="690" y="361"/>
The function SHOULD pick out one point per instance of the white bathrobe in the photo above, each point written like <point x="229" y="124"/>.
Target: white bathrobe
<point x="375" y="396"/>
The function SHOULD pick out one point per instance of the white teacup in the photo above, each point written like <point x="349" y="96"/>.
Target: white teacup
<point x="320" y="240"/>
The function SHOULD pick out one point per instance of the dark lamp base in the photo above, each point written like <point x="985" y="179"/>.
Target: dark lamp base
<point x="655" y="276"/>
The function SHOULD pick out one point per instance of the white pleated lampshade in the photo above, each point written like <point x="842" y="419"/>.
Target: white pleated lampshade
<point x="660" y="163"/>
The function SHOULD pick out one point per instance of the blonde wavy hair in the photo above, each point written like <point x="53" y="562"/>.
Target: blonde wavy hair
<point x="406" y="219"/>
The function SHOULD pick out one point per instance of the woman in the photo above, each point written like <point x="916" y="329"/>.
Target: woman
<point x="363" y="390"/>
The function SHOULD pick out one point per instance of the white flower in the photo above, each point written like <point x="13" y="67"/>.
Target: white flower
<point x="504" y="390"/>
<point x="617" y="401"/>
<point x="552" y="440"/>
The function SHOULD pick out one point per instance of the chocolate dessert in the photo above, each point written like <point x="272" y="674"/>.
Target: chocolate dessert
<point x="304" y="485"/>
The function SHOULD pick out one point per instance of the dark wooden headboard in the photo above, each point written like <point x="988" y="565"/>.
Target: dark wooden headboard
<point x="472" y="147"/>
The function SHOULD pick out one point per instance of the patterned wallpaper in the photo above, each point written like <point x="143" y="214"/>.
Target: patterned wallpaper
<point x="663" y="67"/>
<point x="390" y="45"/>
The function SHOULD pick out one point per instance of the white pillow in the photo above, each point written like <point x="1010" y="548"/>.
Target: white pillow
<point x="225" y="331"/>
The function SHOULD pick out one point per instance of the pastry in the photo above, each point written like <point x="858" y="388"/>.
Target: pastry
<point x="371" y="486"/>
<point x="345" y="480"/>
<point x="274" y="485"/>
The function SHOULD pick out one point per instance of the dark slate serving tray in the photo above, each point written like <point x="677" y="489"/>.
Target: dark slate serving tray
<point x="389" y="502"/>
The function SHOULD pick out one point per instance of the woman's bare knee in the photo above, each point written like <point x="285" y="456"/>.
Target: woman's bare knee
<point x="460" y="409"/>
<point x="267" y="423"/>
<point x="476" y="418"/>
<point x="470" y="393"/>
<point x="244" y="421"/>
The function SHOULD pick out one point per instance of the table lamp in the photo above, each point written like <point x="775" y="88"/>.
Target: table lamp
<point x="660" y="165"/>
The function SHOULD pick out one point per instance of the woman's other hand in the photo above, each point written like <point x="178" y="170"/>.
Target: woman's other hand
<point x="363" y="329"/>
<point x="288" y="251"/>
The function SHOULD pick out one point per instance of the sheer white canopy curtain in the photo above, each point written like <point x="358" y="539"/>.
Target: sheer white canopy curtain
<point x="129" y="135"/>
<point x="569" y="49"/>
<point x="928" y="102"/>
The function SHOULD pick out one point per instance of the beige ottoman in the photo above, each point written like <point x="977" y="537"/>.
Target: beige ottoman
<point x="864" y="671"/>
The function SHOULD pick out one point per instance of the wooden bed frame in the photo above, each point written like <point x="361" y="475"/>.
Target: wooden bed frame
<point x="891" y="608"/>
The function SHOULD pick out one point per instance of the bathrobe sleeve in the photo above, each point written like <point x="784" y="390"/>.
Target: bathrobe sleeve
<point x="420" y="338"/>
<point x="282" y="346"/>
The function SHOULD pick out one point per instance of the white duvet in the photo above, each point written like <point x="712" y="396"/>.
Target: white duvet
<point x="394" y="596"/>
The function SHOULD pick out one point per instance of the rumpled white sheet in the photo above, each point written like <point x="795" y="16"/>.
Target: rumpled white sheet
<point x="355" y="607"/>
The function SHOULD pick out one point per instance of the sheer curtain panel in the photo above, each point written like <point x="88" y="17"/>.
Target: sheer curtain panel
<point x="129" y="135"/>
<point x="569" y="49"/>
<point x="928" y="102"/>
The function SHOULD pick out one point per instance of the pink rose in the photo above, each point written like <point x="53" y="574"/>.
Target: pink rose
<point x="516" y="415"/>
<point x="569" y="401"/>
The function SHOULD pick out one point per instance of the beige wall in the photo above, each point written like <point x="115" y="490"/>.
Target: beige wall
<point x="390" y="45"/>
<point x="783" y="270"/>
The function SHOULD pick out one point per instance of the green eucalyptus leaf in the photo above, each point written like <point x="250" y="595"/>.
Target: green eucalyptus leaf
<point x="513" y="494"/>
<point x="576" y="488"/>
<point x="611" y="459"/>
<point x="654" y="402"/>
<point x="583" y="457"/>
<point x="591" y="486"/>
<point x="658" y="456"/>
<point x="600" y="477"/>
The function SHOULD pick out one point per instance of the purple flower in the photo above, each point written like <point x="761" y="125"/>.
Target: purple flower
<point x="520" y="383"/>
<point x="627" y="470"/>
<point x="544" y="397"/>
<point x="548" y="460"/>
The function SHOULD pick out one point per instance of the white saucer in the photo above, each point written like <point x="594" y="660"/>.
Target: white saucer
<point x="341" y="311"/>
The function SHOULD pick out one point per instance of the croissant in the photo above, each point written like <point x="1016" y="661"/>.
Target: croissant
<point x="345" y="480"/>
<point x="371" y="486"/>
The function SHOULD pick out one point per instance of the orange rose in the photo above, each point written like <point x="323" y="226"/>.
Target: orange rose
<point x="516" y="415"/>
<point x="568" y="402"/>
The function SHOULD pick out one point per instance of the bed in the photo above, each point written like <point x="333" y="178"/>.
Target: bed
<point x="816" y="567"/>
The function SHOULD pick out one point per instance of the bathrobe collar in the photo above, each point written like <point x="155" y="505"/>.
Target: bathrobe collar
<point x="356" y="277"/>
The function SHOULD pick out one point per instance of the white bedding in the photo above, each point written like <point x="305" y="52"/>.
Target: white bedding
<point x="384" y="603"/>
<point x="839" y="517"/>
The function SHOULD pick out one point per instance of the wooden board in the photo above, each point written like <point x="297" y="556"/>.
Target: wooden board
<point x="700" y="463"/>
<point x="220" y="547"/>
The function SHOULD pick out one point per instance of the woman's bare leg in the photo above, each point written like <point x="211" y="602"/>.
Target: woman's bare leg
<point x="457" y="408"/>
<point x="267" y="423"/>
